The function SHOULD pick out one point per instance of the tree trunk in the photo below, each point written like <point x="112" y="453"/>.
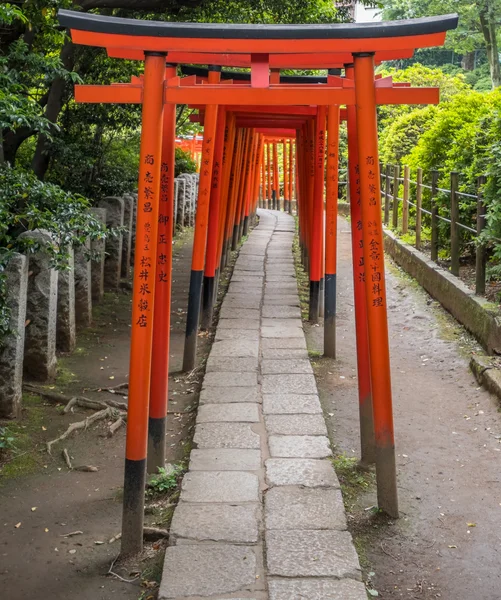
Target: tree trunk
<point x="488" y="27"/>
<point x="41" y="158"/>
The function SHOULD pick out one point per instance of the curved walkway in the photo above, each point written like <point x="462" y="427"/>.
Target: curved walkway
<point x="261" y="515"/>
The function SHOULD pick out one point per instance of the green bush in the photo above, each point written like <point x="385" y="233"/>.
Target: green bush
<point x="184" y="162"/>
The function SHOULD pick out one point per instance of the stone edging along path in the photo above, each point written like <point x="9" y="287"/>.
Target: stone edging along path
<point x="261" y="515"/>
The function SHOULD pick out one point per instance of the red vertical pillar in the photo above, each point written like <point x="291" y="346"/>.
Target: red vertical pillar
<point x="372" y="228"/>
<point x="143" y="299"/>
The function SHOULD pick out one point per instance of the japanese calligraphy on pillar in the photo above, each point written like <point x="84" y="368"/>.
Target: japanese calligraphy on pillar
<point x="373" y="237"/>
<point x="164" y="222"/>
<point x="205" y="183"/>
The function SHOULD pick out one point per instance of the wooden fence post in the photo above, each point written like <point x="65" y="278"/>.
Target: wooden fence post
<point x="405" y="203"/>
<point x="480" y="255"/>
<point x="419" y="199"/>
<point x="396" y="185"/>
<point x="454" y="224"/>
<point x="434" y="216"/>
<point x="387" y="171"/>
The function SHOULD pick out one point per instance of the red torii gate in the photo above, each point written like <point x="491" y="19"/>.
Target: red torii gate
<point x="262" y="47"/>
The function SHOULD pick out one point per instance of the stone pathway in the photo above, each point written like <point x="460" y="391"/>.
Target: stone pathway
<point x="261" y="515"/>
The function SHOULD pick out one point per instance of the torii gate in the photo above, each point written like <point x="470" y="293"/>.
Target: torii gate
<point x="261" y="47"/>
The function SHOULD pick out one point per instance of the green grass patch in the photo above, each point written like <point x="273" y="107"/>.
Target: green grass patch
<point x="354" y="479"/>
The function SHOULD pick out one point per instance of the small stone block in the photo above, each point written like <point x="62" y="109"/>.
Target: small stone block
<point x="228" y="413"/>
<point x="235" y="348"/>
<point x="311" y="554"/>
<point x="226" y="435"/>
<point x="281" y="312"/>
<point x="281" y="300"/>
<point x="295" y="425"/>
<point x="291" y="404"/>
<point x="220" y="486"/>
<point x="301" y="471"/>
<point x="297" y="507"/>
<point x="289" y="384"/>
<point x="224" y="395"/>
<point x="251" y="335"/>
<point x="283" y="323"/>
<point x="230" y="380"/>
<point x="238" y="324"/>
<point x="240" y="313"/>
<point x="225" y="459"/>
<point x="284" y="343"/>
<point x="290" y="365"/>
<point x="229" y="364"/>
<point x="277" y="353"/>
<point x="316" y="589"/>
<point x="216" y="522"/>
<point x="206" y="570"/>
<point x="299" y="446"/>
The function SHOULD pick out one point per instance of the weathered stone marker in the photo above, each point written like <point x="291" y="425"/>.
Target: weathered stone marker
<point x="83" y="290"/>
<point x="127" y="236"/>
<point x="66" y="327"/>
<point x="97" y="264"/>
<point x="41" y="312"/>
<point x="113" y="261"/>
<point x="12" y="349"/>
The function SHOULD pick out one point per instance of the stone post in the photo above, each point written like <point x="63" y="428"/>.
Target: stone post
<point x="133" y="236"/>
<point x="113" y="261"/>
<point x="83" y="287"/>
<point x="41" y="312"/>
<point x="66" y="327"/>
<point x="176" y="198"/>
<point x="12" y="348"/>
<point x="127" y="236"/>
<point x="97" y="264"/>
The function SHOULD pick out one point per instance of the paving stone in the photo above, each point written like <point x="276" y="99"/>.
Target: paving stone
<point x="226" y="435"/>
<point x="290" y="404"/>
<point x="311" y="554"/>
<point x="281" y="300"/>
<point x="235" y="348"/>
<point x="289" y="384"/>
<point x="295" y="507"/>
<point x="229" y="380"/>
<point x="251" y="267"/>
<point x="295" y="424"/>
<point x="284" y="331"/>
<point x="299" y="446"/>
<point x="242" y="301"/>
<point x="238" y="324"/>
<point x="216" y="522"/>
<point x="206" y="570"/>
<point x="281" y="312"/>
<point x="228" y="413"/>
<point x="282" y="323"/>
<point x="288" y="365"/>
<point x="225" y="459"/>
<point x="285" y="277"/>
<point x="240" y="313"/>
<point x="220" y="486"/>
<point x="281" y="286"/>
<point x="224" y="395"/>
<point x="237" y="334"/>
<point x="301" y="471"/>
<point x="245" y="287"/>
<point x="316" y="589"/>
<point x="229" y="364"/>
<point x="274" y="353"/>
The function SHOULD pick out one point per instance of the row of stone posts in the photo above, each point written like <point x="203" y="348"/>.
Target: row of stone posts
<point x="48" y="306"/>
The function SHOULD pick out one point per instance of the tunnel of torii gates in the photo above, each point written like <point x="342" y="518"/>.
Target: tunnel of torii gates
<point x="245" y="118"/>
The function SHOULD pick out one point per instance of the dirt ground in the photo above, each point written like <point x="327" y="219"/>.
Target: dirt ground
<point x="447" y="542"/>
<point x="38" y="492"/>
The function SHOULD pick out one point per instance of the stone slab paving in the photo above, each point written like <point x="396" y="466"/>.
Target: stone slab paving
<point x="260" y="515"/>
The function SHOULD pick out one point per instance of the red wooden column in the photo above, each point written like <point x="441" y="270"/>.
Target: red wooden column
<point x="209" y="287"/>
<point x="201" y="226"/>
<point x="291" y="172"/>
<point x="276" y="183"/>
<point x="143" y="296"/>
<point x="372" y="228"/>
<point x="317" y="215"/>
<point x="229" y="140"/>
<point x="157" y="422"/>
<point x="249" y="184"/>
<point x="286" y="174"/>
<point x="268" y="172"/>
<point x="359" y="274"/>
<point x="331" y="231"/>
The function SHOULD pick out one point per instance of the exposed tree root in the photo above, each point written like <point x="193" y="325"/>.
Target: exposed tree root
<point x="72" y="401"/>
<point x="67" y="459"/>
<point x="114" y="427"/>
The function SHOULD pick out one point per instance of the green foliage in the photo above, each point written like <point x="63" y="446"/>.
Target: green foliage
<point x="165" y="482"/>
<point x="184" y="162"/>
<point x="6" y="441"/>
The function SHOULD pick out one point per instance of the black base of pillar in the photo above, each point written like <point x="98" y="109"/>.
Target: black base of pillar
<point x="192" y="320"/>
<point x="207" y="302"/>
<point x="314" y="300"/>
<point x="246" y="225"/>
<point x="156" y="444"/>
<point x="330" y="316"/>
<point x="234" y="240"/>
<point x="133" y="507"/>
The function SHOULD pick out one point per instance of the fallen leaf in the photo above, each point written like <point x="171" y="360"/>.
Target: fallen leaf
<point x="471" y="524"/>
<point x="44" y="428"/>
<point x="111" y="377"/>
<point x="33" y="508"/>
<point x="452" y="546"/>
<point x="72" y="551"/>
<point x="17" y="525"/>
<point x="46" y="530"/>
